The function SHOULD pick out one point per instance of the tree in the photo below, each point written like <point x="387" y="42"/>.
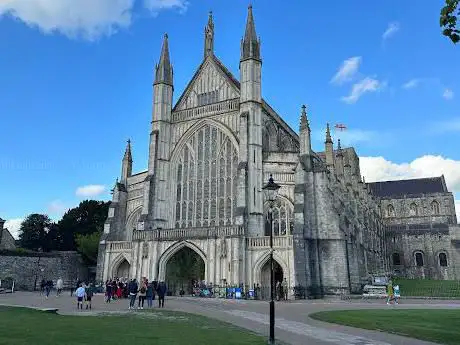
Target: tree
<point x="448" y="20"/>
<point x="34" y="232"/>
<point x="85" y="219"/>
<point x="87" y="246"/>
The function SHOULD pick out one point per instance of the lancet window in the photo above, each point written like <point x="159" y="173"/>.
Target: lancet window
<point x="206" y="178"/>
<point x="283" y="222"/>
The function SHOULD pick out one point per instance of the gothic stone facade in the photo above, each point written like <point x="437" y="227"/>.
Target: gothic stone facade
<point x="210" y="154"/>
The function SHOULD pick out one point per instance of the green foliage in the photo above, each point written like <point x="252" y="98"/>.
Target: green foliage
<point x="34" y="232"/>
<point x="87" y="246"/>
<point x="86" y="219"/>
<point x="435" y="325"/>
<point x="448" y="20"/>
<point x="21" y="326"/>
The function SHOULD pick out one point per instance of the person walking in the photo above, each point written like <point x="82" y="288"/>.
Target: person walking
<point x="108" y="291"/>
<point x="142" y="294"/>
<point x="89" y="292"/>
<point x="150" y="295"/>
<point x="132" y="289"/>
<point x="396" y="293"/>
<point x="59" y="286"/>
<point x="48" y="287"/>
<point x="161" y="294"/>
<point x="80" y="293"/>
<point x="390" y="292"/>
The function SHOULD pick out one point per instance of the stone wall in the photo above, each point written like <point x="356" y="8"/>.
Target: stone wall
<point x="27" y="271"/>
<point x="429" y="245"/>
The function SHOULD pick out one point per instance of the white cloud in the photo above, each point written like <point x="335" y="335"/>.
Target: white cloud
<point x="380" y="169"/>
<point x="88" y="19"/>
<point x="391" y="30"/>
<point x="347" y="70"/>
<point x="411" y="84"/>
<point x="56" y="209"/>
<point x="366" y="85"/>
<point x="157" y="5"/>
<point x="448" y="94"/>
<point x="14" y="226"/>
<point x="91" y="190"/>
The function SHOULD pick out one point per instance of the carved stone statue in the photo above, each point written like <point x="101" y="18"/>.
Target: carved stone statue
<point x="223" y="247"/>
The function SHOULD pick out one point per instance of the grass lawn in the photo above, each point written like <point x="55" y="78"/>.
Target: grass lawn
<point x="429" y="288"/>
<point x="20" y="326"/>
<point x="441" y="326"/>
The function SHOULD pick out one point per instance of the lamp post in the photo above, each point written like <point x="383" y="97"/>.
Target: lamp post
<point x="271" y="191"/>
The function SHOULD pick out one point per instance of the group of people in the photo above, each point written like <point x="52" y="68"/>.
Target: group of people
<point x="47" y="285"/>
<point x="85" y="294"/>
<point x="393" y="293"/>
<point x="140" y="292"/>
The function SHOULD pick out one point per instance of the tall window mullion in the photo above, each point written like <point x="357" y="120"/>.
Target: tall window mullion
<point x="206" y="180"/>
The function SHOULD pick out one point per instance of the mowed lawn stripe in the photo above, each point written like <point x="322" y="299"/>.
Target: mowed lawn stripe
<point x="441" y="326"/>
<point x="21" y="326"/>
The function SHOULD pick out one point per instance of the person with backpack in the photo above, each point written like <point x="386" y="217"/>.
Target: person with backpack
<point x="142" y="294"/>
<point x="89" y="295"/>
<point x="132" y="290"/>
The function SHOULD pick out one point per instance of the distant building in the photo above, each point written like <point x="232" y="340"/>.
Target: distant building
<point x="422" y="234"/>
<point x="210" y="156"/>
<point x="6" y="239"/>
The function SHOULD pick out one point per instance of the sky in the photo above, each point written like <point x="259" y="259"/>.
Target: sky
<point x="76" y="84"/>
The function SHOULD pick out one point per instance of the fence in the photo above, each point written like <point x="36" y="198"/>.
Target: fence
<point x="428" y="288"/>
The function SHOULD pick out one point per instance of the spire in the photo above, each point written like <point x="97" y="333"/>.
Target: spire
<point x="164" y="71"/>
<point x="328" y="135"/>
<point x="128" y="155"/>
<point x="250" y="46"/>
<point x="209" y="37"/>
<point x="303" y="119"/>
<point x="127" y="164"/>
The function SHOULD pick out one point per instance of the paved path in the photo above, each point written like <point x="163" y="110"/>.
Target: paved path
<point x="293" y="326"/>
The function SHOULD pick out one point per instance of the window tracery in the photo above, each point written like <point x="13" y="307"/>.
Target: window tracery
<point x="206" y="177"/>
<point x="283" y="221"/>
<point x="435" y="207"/>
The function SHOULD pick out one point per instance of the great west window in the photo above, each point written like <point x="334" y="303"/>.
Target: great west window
<point x="205" y="177"/>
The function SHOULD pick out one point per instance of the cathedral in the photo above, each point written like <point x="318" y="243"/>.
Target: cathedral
<point x="211" y="154"/>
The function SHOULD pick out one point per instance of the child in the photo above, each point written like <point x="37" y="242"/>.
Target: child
<point x="80" y="293"/>
<point x="89" y="295"/>
<point x="397" y="294"/>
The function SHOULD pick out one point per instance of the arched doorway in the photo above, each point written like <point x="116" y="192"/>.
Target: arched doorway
<point x="122" y="270"/>
<point x="184" y="269"/>
<point x="265" y="277"/>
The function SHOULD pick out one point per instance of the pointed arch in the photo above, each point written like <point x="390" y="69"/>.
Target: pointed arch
<point x="131" y="222"/>
<point x="263" y="259"/>
<point x="119" y="259"/>
<point x="203" y="176"/>
<point x="173" y="249"/>
<point x="283" y="216"/>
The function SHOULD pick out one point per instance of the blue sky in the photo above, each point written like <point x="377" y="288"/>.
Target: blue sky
<point x="76" y="84"/>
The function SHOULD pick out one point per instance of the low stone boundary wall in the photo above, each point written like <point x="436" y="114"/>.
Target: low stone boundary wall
<point x="28" y="270"/>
